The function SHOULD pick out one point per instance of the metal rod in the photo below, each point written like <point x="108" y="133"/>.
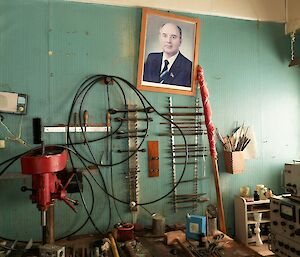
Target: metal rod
<point x="182" y="114"/>
<point x="186" y="144"/>
<point x="50" y="235"/>
<point x="182" y="163"/>
<point x="189" y="195"/>
<point x="114" y="111"/>
<point x="183" y="121"/>
<point x="185" y="134"/>
<point x="131" y="131"/>
<point x="186" y="107"/>
<point x="190" y="156"/>
<point x="132" y="119"/>
<point x="44" y="229"/>
<point x="191" y="200"/>
<point x="192" y="180"/>
<point x="129" y="136"/>
<point x="190" y="149"/>
<point x="131" y="151"/>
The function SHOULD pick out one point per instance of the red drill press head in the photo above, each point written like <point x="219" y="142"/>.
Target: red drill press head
<point x="43" y="164"/>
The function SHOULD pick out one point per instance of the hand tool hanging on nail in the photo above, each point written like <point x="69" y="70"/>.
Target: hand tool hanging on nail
<point x="131" y="131"/>
<point x="191" y="180"/>
<point x="132" y="150"/>
<point x="85" y="123"/>
<point x="85" y="119"/>
<point x="182" y="163"/>
<point x="147" y="110"/>
<point x="183" y="145"/>
<point x="212" y="144"/>
<point x="179" y="134"/>
<point x="198" y="199"/>
<point x="130" y="136"/>
<point x="132" y="119"/>
<point x="189" y="195"/>
<point x="182" y="114"/>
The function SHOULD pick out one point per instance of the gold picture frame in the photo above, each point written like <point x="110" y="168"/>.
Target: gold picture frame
<point x="166" y="36"/>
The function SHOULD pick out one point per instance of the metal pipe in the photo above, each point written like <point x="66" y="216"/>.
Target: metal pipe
<point x="44" y="229"/>
<point x="50" y="238"/>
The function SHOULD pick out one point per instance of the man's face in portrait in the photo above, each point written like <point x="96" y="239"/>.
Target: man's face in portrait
<point x="170" y="39"/>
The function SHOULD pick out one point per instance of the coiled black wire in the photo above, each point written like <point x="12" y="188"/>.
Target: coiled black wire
<point x="82" y="92"/>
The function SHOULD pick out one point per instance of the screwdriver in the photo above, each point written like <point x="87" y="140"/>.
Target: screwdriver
<point x="85" y="119"/>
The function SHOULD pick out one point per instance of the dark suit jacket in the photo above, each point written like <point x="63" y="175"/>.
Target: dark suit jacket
<point x="179" y="74"/>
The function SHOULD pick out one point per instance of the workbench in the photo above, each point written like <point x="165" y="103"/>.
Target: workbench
<point x="81" y="246"/>
<point x="230" y="248"/>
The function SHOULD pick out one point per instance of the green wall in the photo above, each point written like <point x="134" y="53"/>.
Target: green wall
<point x="47" y="48"/>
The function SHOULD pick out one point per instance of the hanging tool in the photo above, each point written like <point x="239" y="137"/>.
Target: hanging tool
<point x="130" y="136"/>
<point x="132" y="150"/>
<point x="201" y="132"/>
<point x="131" y="131"/>
<point x="85" y="119"/>
<point x="147" y="110"/>
<point x="182" y="114"/>
<point x="212" y="144"/>
<point x="132" y="119"/>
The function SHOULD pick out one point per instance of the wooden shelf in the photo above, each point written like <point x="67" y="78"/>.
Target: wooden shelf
<point x="261" y="210"/>
<point x="244" y="219"/>
<point x="261" y="221"/>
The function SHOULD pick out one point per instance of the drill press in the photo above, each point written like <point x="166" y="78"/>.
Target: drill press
<point x="43" y="164"/>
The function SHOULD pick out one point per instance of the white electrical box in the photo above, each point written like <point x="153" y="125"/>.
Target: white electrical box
<point x="13" y="102"/>
<point x="292" y="178"/>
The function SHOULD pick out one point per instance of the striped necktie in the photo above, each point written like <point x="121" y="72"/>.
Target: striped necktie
<point x="164" y="72"/>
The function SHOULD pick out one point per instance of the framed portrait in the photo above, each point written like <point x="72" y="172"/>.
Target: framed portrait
<point x="168" y="53"/>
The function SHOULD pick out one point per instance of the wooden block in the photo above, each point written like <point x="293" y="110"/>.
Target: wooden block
<point x="153" y="159"/>
<point x="172" y="237"/>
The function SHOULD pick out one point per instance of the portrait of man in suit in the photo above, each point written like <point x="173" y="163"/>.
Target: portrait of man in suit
<point x="169" y="66"/>
<point x="168" y="54"/>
